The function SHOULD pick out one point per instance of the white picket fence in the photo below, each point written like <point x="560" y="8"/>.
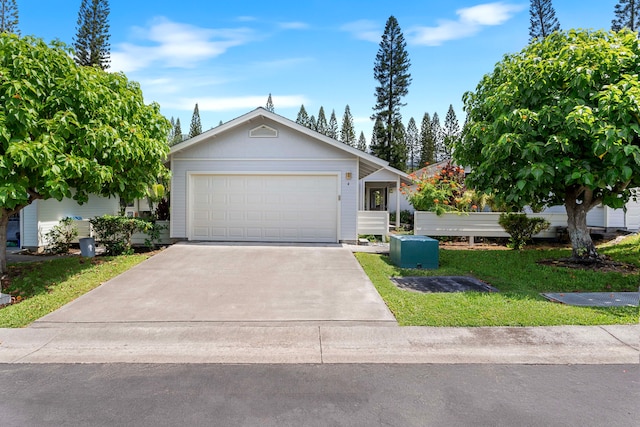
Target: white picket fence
<point x="373" y="222"/>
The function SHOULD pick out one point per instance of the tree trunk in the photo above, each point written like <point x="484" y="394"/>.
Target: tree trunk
<point x="4" y="222"/>
<point x="581" y="243"/>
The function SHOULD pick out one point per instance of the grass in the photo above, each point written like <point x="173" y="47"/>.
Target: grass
<point x="520" y="281"/>
<point x="46" y="286"/>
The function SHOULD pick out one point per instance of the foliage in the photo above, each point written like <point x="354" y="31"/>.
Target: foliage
<point x="9" y="17"/>
<point x="321" y="125"/>
<point x="559" y="123"/>
<point x="543" y="19"/>
<point x="269" y="106"/>
<point x="406" y="217"/>
<point x="391" y="70"/>
<point x="177" y="133"/>
<point x="438" y="138"/>
<point x="427" y="142"/>
<point x="91" y="42"/>
<point x="398" y="158"/>
<point x="412" y="138"/>
<point x="70" y="131"/>
<point x="162" y="209"/>
<point x="153" y="234"/>
<point x="61" y="236"/>
<point x="445" y="191"/>
<point x="115" y="232"/>
<point x="347" y="132"/>
<point x="332" y="130"/>
<point x="521" y="228"/>
<point x="362" y="142"/>
<point x="195" y="128"/>
<point x="450" y="133"/>
<point x="627" y="15"/>
<point x="303" y="117"/>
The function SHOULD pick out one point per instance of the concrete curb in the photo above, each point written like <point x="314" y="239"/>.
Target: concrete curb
<point x="206" y="343"/>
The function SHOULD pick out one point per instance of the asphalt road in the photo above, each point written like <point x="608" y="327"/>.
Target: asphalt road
<point x="319" y="395"/>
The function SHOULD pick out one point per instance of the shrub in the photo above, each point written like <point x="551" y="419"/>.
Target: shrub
<point x="115" y="232"/>
<point x="406" y="217"/>
<point x="59" y="238"/>
<point x="521" y="228"/>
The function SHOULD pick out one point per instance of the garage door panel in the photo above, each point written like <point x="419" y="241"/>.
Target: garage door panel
<point x="295" y="208"/>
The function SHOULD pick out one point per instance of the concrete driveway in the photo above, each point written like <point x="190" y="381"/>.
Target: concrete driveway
<point x="235" y="283"/>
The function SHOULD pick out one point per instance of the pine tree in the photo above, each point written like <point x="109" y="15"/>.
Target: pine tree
<point x="391" y="70"/>
<point x="399" y="147"/>
<point x="436" y="130"/>
<point x="543" y="19"/>
<point x="91" y="43"/>
<point x="450" y="132"/>
<point x="303" y="117"/>
<point x="362" y="142"/>
<point x="412" y="138"/>
<point x="321" y="124"/>
<point x="171" y="133"/>
<point x="177" y="132"/>
<point x="427" y="142"/>
<point x="196" y="126"/>
<point x="269" y="106"/>
<point x="9" y="17"/>
<point x="376" y="148"/>
<point x="312" y="124"/>
<point x="627" y="15"/>
<point x="333" y="126"/>
<point x="347" y="134"/>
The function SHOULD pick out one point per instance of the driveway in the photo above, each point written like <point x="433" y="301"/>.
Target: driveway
<point x="235" y="283"/>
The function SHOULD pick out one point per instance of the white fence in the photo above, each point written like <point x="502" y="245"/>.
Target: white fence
<point x="373" y="222"/>
<point x="476" y="224"/>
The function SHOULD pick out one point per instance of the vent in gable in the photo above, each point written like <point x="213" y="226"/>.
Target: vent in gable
<point x="263" y="131"/>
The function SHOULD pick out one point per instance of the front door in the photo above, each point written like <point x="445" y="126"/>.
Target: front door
<point x="377" y="199"/>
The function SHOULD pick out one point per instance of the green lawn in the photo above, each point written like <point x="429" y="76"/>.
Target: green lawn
<point x="47" y="286"/>
<point x="520" y="281"/>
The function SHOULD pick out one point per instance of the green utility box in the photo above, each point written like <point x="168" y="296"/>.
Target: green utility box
<point x="414" y="252"/>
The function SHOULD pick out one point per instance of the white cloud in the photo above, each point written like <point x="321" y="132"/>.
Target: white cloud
<point x="213" y="104"/>
<point x="171" y="44"/>
<point x="296" y="25"/>
<point x="470" y="21"/>
<point x="363" y="30"/>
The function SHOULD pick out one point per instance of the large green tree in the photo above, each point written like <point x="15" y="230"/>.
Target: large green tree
<point x="91" y="42"/>
<point x="332" y="129"/>
<point x="195" y="128"/>
<point x="362" y="142"/>
<point x="627" y="15"/>
<point x="347" y="132"/>
<point x="303" y="116"/>
<point x="9" y="17"/>
<point x="559" y="123"/>
<point x="71" y="131"/>
<point x="321" y="125"/>
<point x="427" y="142"/>
<point x="450" y="132"/>
<point x="177" y="132"/>
<point x="438" y="140"/>
<point x="391" y="70"/>
<point x="412" y="138"/>
<point x="543" y="19"/>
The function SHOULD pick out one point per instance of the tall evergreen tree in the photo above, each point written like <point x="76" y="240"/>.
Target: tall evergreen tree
<point x="399" y="147"/>
<point x="450" y="132"/>
<point x="9" y="17"/>
<point x="362" y="142"/>
<point x="321" y="125"/>
<point x="347" y="133"/>
<point x="427" y="142"/>
<point x="196" y="126"/>
<point x="303" y="117"/>
<point x="177" y="132"/>
<point x="543" y="19"/>
<point x="391" y="70"/>
<point x="377" y="134"/>
<point x="269" y="105"/>
<point x="312" y="123"/>
<point x="91" y="42"/>
<point x="172" y="131"/>
<point x="436" y="130"/>
<point x="627" y="15"/>
<point x="333" y="126"/>
<point x="412" y="139"/>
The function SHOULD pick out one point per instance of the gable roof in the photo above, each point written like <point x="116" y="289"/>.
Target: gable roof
<point x="368" y="163"/>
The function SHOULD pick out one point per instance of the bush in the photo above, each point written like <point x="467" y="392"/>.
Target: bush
<point x="521" y="228"/>
<point x="115" y="232"/>
<point x="406" y="217"/>
<point x="59" y="238"/>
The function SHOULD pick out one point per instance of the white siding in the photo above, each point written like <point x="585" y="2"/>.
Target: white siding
<point x="29" y="225"/>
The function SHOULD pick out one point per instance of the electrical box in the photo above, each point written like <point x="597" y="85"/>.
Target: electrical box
<point x="414" y="251"/>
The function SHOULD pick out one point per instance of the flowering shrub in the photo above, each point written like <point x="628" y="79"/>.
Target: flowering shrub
<point x="445" y="191"/>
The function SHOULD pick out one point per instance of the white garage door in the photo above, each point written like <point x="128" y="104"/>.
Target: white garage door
<point x="272" y="208"/>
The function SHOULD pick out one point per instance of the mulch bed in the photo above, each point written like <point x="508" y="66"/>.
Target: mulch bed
<point x="605" y="264"/>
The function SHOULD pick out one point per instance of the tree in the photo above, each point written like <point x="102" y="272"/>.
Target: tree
<point x="269" y="105"/>
<point x="450" y="132"/>
<point x="196" y="126"/>
<point x="391" y="70"/>
<point x="303" y="117"/>
<point x="436" y="131"/>
<point x="427" y="142"/>
<point x="332" y="131"/>
<point x="412" y="138"/>
<point x="91" y="42"/>
<point x="171" y="132"/>
<point x="362" y="142"/>
<point x="347" y="133"/>
<point x="376" y="135"/>
<point x="70" y="131"/>
<point x="177" y="132"/>
<point x="627" y="15"/>
<point x="9" y="17"/>
<point x="572" y="137"/>
<point x="321" y="124"/>
<point x="398" y="147"/>
<point x="312" y="124"/>
<point x="543" y="19"/>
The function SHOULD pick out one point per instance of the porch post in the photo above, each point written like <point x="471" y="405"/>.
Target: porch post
<point x="398" y="202"/>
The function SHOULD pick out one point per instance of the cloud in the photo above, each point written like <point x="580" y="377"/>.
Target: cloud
<point x="363" y="30"/>
<point x="470" y="21"/>
<point x="296" y="25"/>
<point x="212" y="104"/>
<point x="176" y="45"/>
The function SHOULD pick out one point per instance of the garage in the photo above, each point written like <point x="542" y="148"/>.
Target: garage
<point x="263" y="207"/>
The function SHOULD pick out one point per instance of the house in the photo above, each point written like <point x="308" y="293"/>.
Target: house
<point x="262" y="177"/>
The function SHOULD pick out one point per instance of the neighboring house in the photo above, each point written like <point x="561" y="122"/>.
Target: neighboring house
<point x="262" y="177"/>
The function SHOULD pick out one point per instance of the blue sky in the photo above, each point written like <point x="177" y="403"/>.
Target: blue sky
<point x="228" y="56"/>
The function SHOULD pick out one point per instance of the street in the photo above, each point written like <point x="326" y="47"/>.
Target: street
<point x="318" y="395"/>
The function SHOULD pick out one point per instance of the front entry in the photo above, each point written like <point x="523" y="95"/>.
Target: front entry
<point x="377" y="199"/>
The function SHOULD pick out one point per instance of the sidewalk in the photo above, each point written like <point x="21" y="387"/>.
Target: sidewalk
<point x="229" y="343"/>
